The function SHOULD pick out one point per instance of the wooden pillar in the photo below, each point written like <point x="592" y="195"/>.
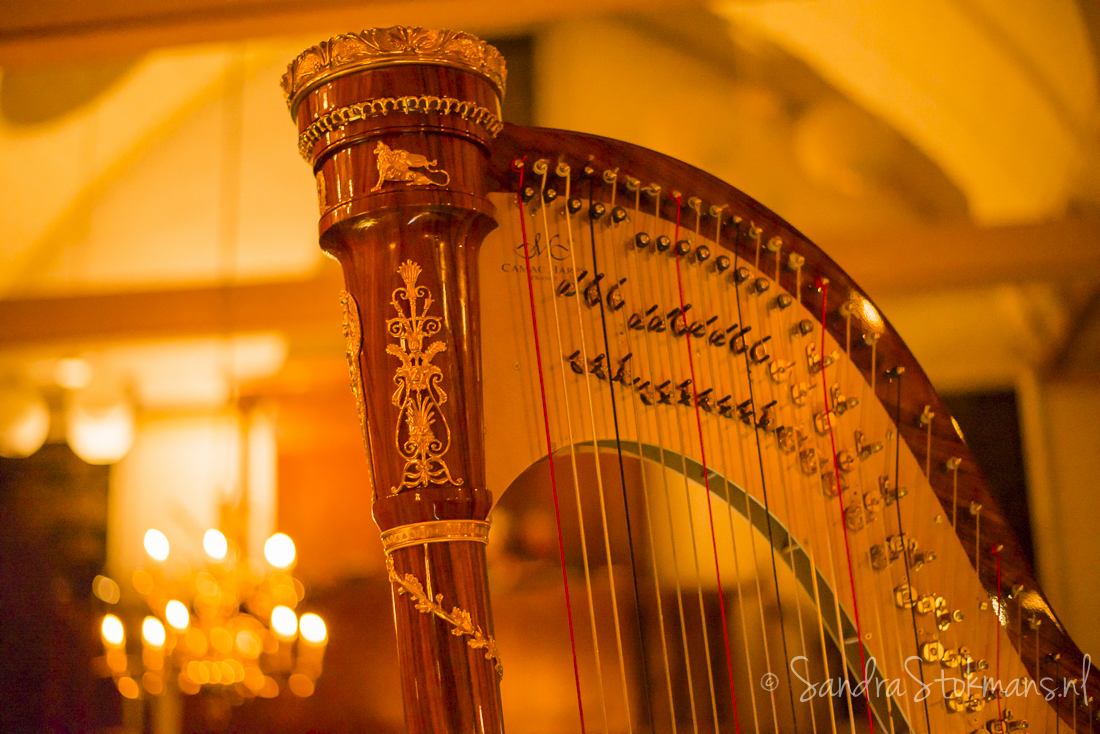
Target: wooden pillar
<point x="396" y="124"/>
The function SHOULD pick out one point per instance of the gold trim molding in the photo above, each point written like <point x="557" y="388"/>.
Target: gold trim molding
<point x="435" y="531"/>
<point x="424" y="104"/>
<point x="350" y="52"/>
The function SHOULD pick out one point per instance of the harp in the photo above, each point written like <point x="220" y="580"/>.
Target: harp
<point x="520" y="299"/>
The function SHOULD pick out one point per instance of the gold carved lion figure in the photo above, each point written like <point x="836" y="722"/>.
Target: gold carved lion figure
<point x="397" y="165"/>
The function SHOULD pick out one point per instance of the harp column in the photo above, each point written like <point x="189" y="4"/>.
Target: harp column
<point x="397" y="124"/>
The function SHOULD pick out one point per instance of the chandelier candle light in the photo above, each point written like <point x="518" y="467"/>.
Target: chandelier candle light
<point x="198" y="636"/>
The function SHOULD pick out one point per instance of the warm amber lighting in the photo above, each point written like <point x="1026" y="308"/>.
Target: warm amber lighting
<point x="253" y="678"/>
<point x="211" y="640"/>
<point x="284" y="622"/>
<point x="24" y="422"/>
<point x="313" y="628"/>
<point x="112" y="631"/>
<point x="198" y="672"/>
<point x="117" y="660"/>
<point x="247" y="643"/>
<point x="215" y="544"/>
<point x="73" y="374"/>
<point x="153" y="683"/>
<point x="279" y="550"/>
<point x="300" y="685"/>
<point x="177" y="615"/>
<point x="187" y="685"/>
<point x="221" y="640"/>
<point x="195" y="641"/>
<point x="106" y="589"/>
<point x="871" y="316"/>
<point x="270" y="688"/>
<point x="156" y="544"/>
<point x="152" y="632"/>
<point x="143" y="583"/>
<point x="100" y="434"/>
<point x="128" y="687"/>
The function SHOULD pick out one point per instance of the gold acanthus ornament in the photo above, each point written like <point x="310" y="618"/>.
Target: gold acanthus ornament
<point x="377" y="47"/>
<point x="353" y="344"/>
<point x="419" y="394"/>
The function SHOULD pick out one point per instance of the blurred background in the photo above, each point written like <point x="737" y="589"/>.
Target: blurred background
<point x="170" y="347"/>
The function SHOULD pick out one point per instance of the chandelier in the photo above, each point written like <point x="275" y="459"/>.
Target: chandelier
<point x="225" y="627"/>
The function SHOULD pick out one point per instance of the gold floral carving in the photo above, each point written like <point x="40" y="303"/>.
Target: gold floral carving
<point x="461" y="621"/>
<point x="353" y="339"/>
<point x="350" y="52"/>
<point x="396" y="165"/>
<point x="423" y="104"/>
<point x="418" y="395"/>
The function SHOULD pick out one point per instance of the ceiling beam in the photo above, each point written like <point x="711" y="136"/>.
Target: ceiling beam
<point x="888" y="263"/>
<point x="299" y="308"/>
<point x="67" y="30"/>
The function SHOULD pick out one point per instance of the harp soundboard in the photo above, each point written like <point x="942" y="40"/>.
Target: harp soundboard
<point x="720" y="415"/>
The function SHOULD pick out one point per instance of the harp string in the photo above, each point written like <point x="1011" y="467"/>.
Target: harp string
<point x="824" y="284"/>
<point x="733" y="386"/>
<point x="628" y="385"/>
<point x="703" y="456"/>
<point x="755" y="412"/>
<point x="786" y="350"/>
<point x="784" y="478"/>
<point x="876" y="531"/>
<point x="875" y="585"/>
<point x="549" y="444"/>
<point x="652" y="358"/>
<point x="703" y="290"/>
<point x="896" y="374"/>
<point x="611" y="178"/>
<point x="599" y="478"/>
<point x="739" y="392"/>
<point x="542" y="168"/>
<point x="821" y="519"/>
<point x="668" y="295"/>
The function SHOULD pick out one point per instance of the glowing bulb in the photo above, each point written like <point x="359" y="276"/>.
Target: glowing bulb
<point x="177" y="615"/>
<point x="313" y="628"/>
<point x="215" y="544"/>
<point x="100" y="434"/>
<point x="152" y="631"/>
<point x="24" y="422"/>
<point x="73" y="374"/>
<point x="279" y="550"/>
<point x="284" y="622"/>
<point x="156" y="544"/>
<point x="112" y="631"/>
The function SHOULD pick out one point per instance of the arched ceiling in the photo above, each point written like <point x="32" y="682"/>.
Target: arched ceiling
<point x="1002" y="94"/>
